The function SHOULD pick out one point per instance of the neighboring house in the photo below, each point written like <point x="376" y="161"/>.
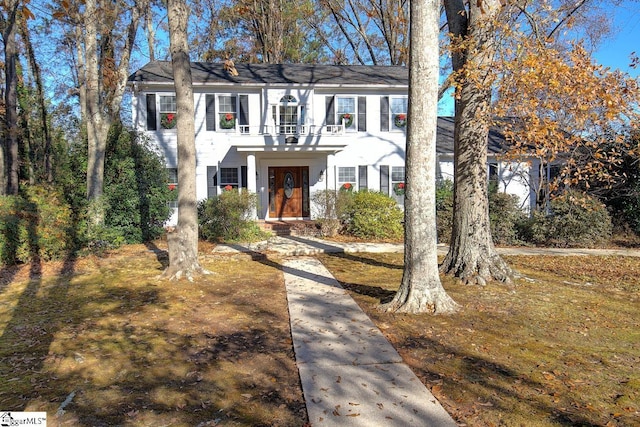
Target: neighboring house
<point x="286" y="131"/>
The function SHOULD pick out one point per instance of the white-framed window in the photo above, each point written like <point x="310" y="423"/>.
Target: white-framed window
<point x="227" y="111"/>
<point x="398" y="183"/>
<point x="173" y="187"/>
<point x="346" y="112"/>
<point x="229" y="178"/>
<point x="347" y="178"/>
<point x="398" y="109"/>
<point x="168" y="111"/>
<point x="289" y="116"/>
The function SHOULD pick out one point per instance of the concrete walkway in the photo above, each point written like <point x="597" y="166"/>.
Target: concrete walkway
<point x="350" y="373"/>
<point x="304" y="245"/>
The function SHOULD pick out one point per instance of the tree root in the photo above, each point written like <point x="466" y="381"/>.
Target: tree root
<point x="432" y="302"/>
<point x="480" y="271"/>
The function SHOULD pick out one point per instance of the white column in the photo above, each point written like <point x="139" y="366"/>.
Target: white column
<point x="252" y="178"/>
<point x="330" y="173"/>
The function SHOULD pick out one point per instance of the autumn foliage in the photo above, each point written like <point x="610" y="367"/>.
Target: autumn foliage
<point x="565" y="107"/>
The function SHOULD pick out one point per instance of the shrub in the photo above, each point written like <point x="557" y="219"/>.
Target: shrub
<point x="35" y="225"/>
<point x="505" y="215"/>
<point x="135" y="188"/>
<point x="371" y="215"/>
<point x="576" y="219"/>
<point x="326" y="205"/>
<point x="444" y="210"/>
<point x="136" y="195"/>
<point x="227" y="217"/>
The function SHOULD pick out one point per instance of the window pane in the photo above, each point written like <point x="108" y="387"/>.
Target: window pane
<point x="173" y="175"/>
<point x="168" y="104"/>
<point x="288" y="115"/>
<point x="347" y="174"/>
<point x="398" y="105"/>
<point x="397" y="174"/>
<point x="346" y="105"/>
<point x="228" y="176"/>
<point x="226" y="104"/>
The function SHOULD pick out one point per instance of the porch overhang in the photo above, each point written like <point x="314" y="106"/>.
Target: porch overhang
<point x="291" y="148"/>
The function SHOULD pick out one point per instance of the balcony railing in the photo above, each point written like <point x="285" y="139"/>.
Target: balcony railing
<point x="287" y="130"/>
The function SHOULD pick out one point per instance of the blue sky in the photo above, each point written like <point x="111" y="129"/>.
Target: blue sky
<point x="615" y="51"/>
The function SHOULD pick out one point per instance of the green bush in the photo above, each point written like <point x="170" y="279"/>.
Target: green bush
<point x="135" y="188"/>
<point x="227" y="217"/>
<point x="505" y="216"/>
<point x="444" y="210"/>
<point x="136" y="195"/>
<point x="371" y="215"/>
<point x="576" y="219"/>
<point x="35" y="225"/>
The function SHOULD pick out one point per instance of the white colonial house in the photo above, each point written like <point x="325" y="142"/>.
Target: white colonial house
<point x="285" y="131"/>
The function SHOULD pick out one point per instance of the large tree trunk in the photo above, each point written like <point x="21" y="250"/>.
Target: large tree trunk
<point x="95" y="120"/>
<point x="12" y="151"/>
<point x="472" y="256"/>
<point x="183" y="242"/>
<point x="421" y="289"/>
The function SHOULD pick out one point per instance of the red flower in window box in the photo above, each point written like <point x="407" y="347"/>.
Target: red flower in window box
<point x="228" y="188"/>
<point x="172" y="187"/>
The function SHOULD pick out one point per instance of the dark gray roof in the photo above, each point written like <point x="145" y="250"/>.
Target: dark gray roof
<point x="305" y="74"/>
<point x="444" y="138"/>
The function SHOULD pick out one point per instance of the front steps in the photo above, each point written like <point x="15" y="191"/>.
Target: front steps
<point x="289" y="228"/>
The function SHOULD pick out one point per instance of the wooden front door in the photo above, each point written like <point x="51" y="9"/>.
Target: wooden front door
<point x="289" y="192"/>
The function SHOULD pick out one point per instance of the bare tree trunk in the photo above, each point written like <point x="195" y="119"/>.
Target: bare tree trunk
<point x="421" y="289"/>
<point x="47" y="161"/>
<point x="151" y="34"/>
<point x="3" y="163"/>
<point x="183" y="242"/>
<point x="472" y="256"/>
<point x="12" y="151"/>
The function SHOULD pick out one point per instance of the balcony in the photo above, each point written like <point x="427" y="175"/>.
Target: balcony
<point x="287" y="130"/>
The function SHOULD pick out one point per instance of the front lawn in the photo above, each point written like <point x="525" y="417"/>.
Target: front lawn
<point x="101" y="342"/>
<point x="561" y="347"/>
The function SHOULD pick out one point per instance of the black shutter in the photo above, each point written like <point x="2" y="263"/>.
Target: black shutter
<point x="330" y="118"/>
<point x="244" y="110"/>
<point x="362" y="177"/>
<point x="210" y="100"/>
<point x="243" y="176"/>
<point x="152" y="123"/>
<point x="384" y="179"/>
<point x="362" y="114"/>
<point x="212" y="181"/>
<point x="384" y="114"/>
